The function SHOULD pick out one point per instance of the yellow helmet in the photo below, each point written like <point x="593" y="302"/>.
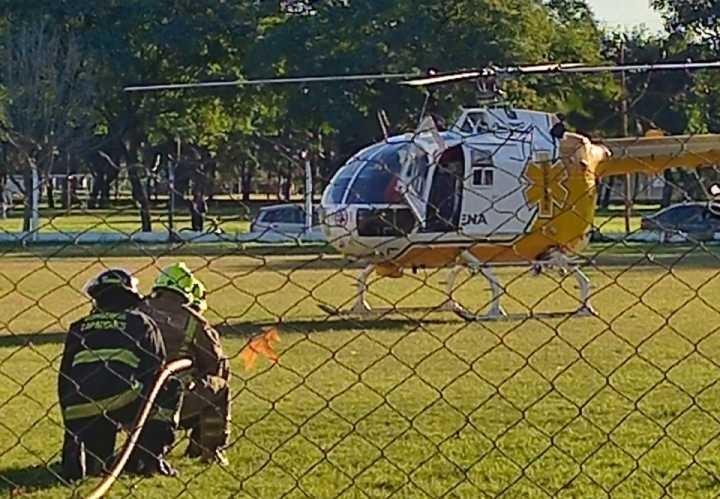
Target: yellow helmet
<point x="198" y="296"/>
<point x="178" y="278"/>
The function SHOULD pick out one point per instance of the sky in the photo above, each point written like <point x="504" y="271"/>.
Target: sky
<point x="626" y="13"/>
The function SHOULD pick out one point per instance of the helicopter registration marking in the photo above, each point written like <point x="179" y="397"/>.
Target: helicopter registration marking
<point x="473" y="219"/>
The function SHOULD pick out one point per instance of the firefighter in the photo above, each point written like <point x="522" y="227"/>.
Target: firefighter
<point x="109" y="364"/>
<point x="199" y="298"/>
<point x="206" y="405"/>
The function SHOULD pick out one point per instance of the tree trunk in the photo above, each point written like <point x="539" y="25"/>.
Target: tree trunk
<point x="135" y="169"/>
<point x="66" y="195"/>
<point x="667" y="189"/>
<point x="198" y="205"/>
<point x="131" y="151"/>
<point x="246" y="182"/>
<point x="140" y="196"/>
<point x="27" y="200"/>
<point x="108" y="177"/>
<point x="636" y="187"/>
<point x="287" y="186"/>
<point x="607" y="193"/>
<point x="210" y="180"/>
<point x="49" y="192"/>
<point x="31" y="218"/>
<point x="95" y="191"/>
<point x="3" y="195"/>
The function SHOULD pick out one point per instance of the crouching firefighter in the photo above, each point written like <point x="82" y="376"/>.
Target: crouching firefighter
<point x="176" y="304"/>
<point x="109" y="364"/>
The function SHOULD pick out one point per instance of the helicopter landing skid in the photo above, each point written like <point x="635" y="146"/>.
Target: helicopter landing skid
<point x="470" y="317"/>
<point x="380" y="312"/>
<point x="497" y="313"/>
<point x="361" y="308"/>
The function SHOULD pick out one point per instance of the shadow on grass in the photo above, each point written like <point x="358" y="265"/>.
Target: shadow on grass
<point x="319" y="324"/>
<point x="27" y="339"/>
<point x="14" y="482"/>
<point x="130" y="250"/>
<point x="328" y="325"/>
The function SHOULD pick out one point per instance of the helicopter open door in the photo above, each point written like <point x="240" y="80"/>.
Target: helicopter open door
<point x="446" y="191"/>
<point x="418" y="163"/>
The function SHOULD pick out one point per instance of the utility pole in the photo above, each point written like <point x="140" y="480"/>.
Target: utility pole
<point x="625" y="129"/>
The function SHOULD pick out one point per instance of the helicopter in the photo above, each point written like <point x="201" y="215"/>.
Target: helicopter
<point x="500" y="187"/>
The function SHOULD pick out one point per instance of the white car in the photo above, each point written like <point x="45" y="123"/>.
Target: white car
<point x="285" y="220"/>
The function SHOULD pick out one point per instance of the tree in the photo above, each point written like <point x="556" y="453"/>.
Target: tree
<point x="694" y="28"/>
<point x="49" y="87"/>
<point x="694" y="33"/>
<point x="697" y="20"/>
<point x="403" y="36"/>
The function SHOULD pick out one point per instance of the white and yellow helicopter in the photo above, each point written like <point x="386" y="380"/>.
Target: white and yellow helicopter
<point x="500" y="187"/>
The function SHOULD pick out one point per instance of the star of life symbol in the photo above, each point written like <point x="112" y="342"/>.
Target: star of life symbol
<point x="546" y="184"/>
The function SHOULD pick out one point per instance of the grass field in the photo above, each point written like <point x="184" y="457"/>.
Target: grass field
<point x="231" y="217"/>
<point x="126" y="220"/>
<point x="625" y="404"/>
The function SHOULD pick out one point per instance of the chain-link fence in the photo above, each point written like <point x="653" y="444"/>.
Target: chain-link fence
<point x="506" y="336"/>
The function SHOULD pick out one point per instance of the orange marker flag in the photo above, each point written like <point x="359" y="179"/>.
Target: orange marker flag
<point x="261" y="344"/>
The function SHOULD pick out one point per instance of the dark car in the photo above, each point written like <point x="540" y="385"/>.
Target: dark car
<point x="690" y="218"/>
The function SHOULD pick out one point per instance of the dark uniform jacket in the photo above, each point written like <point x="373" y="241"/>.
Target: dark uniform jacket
<point x="187" y="334"/>
<point x="110" y="358"/>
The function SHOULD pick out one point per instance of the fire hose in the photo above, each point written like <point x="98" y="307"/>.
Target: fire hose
<point x="170" y="369"/>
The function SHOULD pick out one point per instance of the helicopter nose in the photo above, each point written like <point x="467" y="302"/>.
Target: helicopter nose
<point x="336" y="221"/>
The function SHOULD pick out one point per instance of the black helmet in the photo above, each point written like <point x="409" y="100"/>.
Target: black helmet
<point x="111" y="283"/>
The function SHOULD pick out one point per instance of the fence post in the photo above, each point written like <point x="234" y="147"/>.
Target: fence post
<point x="171" y="191"/>
<point x="308" y="190"/>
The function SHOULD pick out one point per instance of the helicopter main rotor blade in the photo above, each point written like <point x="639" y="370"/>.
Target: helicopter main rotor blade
<point x="488" y="71"/>
<point x="571" y="68"/>
<point x="415" y="80"/>
<point x="540" y="68"/>
<point x="270" y="81"/>
<point x="631" y="68"/>
<point x="445" y="78"/>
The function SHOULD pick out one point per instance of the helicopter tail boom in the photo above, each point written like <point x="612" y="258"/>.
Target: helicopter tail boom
<point x="653" y="155"/>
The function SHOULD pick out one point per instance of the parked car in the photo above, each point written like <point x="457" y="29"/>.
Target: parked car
<point x="692" y="218"/>
<point x="285" y="219"/>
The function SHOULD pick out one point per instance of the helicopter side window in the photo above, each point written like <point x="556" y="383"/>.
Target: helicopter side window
<point x="483" y="168"/>
<point x="483" y="177"/>
<point x="468" y="126"/>
<point x="473" y="122"/>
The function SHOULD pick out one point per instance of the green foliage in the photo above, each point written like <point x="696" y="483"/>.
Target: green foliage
<point x="694" y="33"/>
<point x="48" y="89"/>
<point x="696" y="19"/>
<point x="152" y="41"/>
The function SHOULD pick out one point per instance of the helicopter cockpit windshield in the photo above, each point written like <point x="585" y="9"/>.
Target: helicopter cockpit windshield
<point x="374" y="177"/>
<point x="377" y="181"/>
